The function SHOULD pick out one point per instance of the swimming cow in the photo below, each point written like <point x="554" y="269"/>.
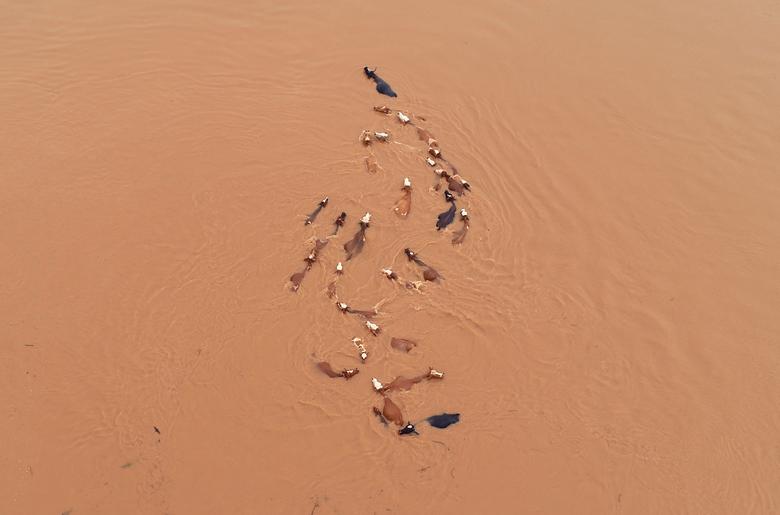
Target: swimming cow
<point x="438" y="421"/>
<point x="313" y="214"/>
<point x="381" y="86"/>
<point x="443" y="420"/>
<point x="444" y="219"/>
<point x="429" y="274"/>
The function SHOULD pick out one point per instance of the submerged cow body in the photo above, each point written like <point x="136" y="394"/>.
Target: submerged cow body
<point x="381" y="86"/>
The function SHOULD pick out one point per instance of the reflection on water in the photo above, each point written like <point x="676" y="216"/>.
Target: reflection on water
<point x="607" y="326"/>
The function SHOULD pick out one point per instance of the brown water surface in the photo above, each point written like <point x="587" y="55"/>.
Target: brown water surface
<point x="608" y="330"/>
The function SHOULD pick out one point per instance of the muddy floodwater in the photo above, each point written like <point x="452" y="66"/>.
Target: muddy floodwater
<point x="608" y="329"/>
